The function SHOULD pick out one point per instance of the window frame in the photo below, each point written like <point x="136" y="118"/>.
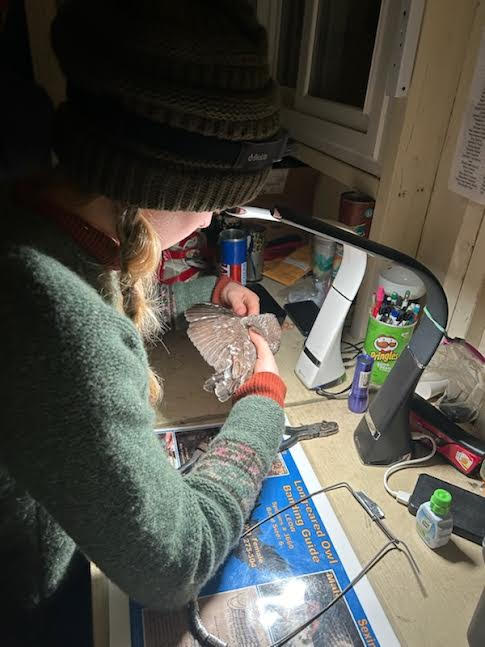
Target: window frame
<point x="348" y="133"/>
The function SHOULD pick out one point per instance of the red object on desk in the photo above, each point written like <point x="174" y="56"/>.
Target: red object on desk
<point x="273" y="251"/>
<point x="462" y="450"/>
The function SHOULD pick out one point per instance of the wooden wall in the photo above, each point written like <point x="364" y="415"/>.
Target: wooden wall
<point x="415" y="212"/>
<point x="453" y="238"/>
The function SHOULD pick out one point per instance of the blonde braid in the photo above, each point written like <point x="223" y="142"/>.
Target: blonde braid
<point x="139" y="258"/>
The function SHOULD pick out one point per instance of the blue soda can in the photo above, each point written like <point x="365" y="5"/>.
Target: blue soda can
<point x="359" y="393"/>
<point x="233" y="251"/>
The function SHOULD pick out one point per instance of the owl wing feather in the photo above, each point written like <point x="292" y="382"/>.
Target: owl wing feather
<point x="224" y="343"/>
<point x="267" y="326"/>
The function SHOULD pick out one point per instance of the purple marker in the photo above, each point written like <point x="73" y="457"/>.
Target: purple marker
<point x="359" y="393"/>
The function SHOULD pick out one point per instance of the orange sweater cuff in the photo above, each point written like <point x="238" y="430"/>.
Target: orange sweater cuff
<point x="266" y="384"/>
<point x="219" y="286"/>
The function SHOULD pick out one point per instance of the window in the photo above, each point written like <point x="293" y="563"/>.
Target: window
<point x="289" y="42"/>
<point x="345" y="33"/>
<point x="336" y="61"/>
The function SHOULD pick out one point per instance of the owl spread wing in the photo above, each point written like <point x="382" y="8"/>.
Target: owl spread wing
<point x="267" y="326"/>
<point x="224" y="343"/>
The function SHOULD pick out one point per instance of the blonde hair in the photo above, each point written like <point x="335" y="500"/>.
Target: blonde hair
<point x="140" y="252"/>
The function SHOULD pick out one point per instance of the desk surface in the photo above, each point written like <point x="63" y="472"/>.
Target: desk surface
<point x="453" y="577"/>
<point x="184" y="371"/>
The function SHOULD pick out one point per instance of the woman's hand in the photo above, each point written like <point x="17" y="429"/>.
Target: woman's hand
<point x="242" y="301"/>
<point x="265" y="362"/>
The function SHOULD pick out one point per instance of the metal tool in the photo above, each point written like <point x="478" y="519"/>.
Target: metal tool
<point x="307" y="432"/>
<point x="198" y="630"/>
<point x="189" y="464"/>
<point x="375" y="513"/>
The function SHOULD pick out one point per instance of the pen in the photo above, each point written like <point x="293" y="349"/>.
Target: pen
<point x="379" y="300"/>
<point x="394" y="316"/>
<point x="405" y="301"/>
<point x="393" y="309"/>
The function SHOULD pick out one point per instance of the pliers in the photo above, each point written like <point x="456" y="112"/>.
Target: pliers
<point x="306" y="432"/>
<point x="293" y="436"/>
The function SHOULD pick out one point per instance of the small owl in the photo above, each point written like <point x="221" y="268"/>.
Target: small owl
<point x="222" y="338"/>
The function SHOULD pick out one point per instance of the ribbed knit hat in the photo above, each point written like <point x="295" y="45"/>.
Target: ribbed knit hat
<point x="169" y="102"/>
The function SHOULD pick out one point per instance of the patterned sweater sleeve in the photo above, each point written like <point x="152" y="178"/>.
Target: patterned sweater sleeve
<point x="176" y="298"/>
<point x="85" y="451"/>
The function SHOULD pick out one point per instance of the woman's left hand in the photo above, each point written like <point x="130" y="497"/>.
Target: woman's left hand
<point x="241" y="300"/>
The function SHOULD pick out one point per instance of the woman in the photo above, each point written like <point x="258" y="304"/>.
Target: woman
<point x="159" y="94"/>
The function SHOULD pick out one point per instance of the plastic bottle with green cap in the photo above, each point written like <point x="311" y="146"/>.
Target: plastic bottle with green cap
<point x="433" y="519"/>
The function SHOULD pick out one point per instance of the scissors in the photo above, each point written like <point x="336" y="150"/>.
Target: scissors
<point x="306" y="432"/>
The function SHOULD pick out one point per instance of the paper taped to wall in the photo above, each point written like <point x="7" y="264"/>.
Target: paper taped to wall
<point x="467" y="175"/>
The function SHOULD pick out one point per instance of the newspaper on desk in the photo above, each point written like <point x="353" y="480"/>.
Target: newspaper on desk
<point x="276" y="578"/>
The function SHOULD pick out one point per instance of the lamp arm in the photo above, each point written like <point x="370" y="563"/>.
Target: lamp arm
<point x="382" y="436"/>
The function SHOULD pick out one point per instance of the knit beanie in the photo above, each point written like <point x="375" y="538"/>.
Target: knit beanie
<point x="169" y="102"/>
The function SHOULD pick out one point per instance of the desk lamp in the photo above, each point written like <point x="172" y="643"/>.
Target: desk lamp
<point x="382" y="435"/>
<point x="320" y="362"/>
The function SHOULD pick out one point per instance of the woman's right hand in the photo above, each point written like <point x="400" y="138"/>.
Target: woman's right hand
<point x="265" y="362"/>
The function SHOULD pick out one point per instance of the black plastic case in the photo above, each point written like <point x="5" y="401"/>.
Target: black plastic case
<point x="468" y="509"/>
<point x="266" y="302"/>
<point x="303" y="315"/>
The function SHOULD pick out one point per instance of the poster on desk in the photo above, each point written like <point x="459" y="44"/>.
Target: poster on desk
<point x="278" y="576"/>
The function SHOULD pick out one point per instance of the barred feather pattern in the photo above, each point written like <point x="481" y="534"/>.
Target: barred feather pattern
<point x="222" y="338"/>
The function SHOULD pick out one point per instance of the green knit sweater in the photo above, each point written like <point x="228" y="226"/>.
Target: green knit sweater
<point x="79" y="463"/>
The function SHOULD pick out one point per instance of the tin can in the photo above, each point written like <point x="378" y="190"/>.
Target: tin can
<point x="256" y="238"/>
<point x="356" y="211"/>
<point x="337" y="260"/>
<point x="233" y="248"/>
<point x="322" y="257"/>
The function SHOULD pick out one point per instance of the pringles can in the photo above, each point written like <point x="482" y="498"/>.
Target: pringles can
<point x="385" y="343"/>
<point x="356" y="211"/>
<point x="233" y="249"/>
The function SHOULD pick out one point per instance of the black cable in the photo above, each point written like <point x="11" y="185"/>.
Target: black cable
<point x="358" y="346"/>
<point x="348" y="358"/>
<point x="333" y="396"/>
<point x="330" y="395"/>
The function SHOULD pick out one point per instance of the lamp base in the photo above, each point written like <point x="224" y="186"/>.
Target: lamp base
<point x="382" y="436"/>
<point x="386" y="452"/>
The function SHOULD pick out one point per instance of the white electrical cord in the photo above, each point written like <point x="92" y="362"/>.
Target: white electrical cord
<point x="400" y="495"/>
